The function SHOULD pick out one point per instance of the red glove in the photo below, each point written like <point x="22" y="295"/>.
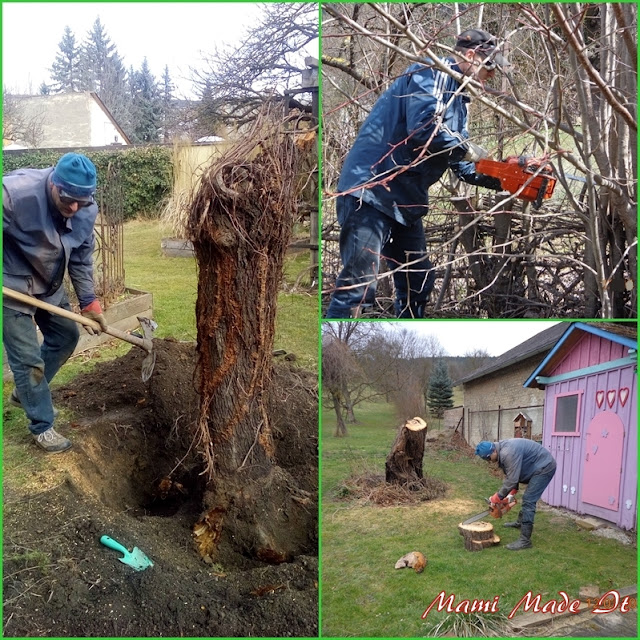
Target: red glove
<point x="495" y="499"/>
<point x="93" y="311"/>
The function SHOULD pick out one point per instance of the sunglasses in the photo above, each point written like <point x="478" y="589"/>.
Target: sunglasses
<point x="490" y="65"/>
<point x="68" y="200"/>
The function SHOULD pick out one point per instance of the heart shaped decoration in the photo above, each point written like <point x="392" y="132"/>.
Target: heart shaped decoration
<point x="599" y="398"/>
<point x="623" y="394"/>
<point x="611" y="398"/>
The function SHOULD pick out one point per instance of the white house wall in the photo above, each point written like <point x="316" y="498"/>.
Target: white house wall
<point x="103" y="132"/>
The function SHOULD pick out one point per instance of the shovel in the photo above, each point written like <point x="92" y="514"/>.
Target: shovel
<point x="144" y="343"/>
<point x="136" y="558"/>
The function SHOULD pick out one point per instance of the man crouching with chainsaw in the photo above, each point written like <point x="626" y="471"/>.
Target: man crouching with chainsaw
<point x="48" y="217"/>
<point x="523" y="461"/>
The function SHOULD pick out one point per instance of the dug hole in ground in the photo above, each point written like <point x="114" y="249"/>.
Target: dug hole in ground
<point x="134" y="474"/>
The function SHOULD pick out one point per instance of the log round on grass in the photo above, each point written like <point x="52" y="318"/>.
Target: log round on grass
<point x="478" y="535"/>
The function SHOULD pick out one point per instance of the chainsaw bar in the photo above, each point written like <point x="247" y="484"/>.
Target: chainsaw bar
<point x="475" y="518"/>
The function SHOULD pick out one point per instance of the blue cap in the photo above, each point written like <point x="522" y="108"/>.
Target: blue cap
<point x="75" y="174"/>
<point x="485" y="449"/>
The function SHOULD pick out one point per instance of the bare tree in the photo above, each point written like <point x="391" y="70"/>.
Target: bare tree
<point x="571" y="99"/>
<point x="343" y="371"/>
<point x="20" y="124"/>
<point x="234" y="82"/>
<point x="339" y="369"/>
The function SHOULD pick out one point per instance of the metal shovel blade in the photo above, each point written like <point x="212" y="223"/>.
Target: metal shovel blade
<point x="148" y="327"/>
<point x="135" y="559"/>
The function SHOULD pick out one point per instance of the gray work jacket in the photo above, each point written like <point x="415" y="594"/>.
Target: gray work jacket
<point x="39" y="244"/>
<point x="520" y="459"/>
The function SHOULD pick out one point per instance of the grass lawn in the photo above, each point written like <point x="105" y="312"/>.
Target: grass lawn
<point x="173" y="283"/>
<point x="363" y="595"/>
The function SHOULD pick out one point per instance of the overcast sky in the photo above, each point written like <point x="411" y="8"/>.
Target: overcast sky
<point x="458" y="337"/>
<point x="174" y="34"/>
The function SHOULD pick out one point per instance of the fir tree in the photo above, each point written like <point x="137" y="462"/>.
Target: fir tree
<point x="96" y="50"/>
<point x="146" y="106"/>
<point x="167" y="89"/>
<point x="65" y="70"/>
<point x="440" y="394"/>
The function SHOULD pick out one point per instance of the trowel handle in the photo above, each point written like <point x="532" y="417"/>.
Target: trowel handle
<point x="113" y="544"/>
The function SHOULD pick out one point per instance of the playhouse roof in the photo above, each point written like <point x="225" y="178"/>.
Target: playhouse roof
<point x="623" y="333"/>
<point x="536" y="345"/>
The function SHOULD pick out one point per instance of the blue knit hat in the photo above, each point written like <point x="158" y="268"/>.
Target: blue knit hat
<point x="485" y="449"/>
<point x="75" y="175"/>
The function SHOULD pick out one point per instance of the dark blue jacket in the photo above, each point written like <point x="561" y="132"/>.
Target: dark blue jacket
<point x="520" y="458"/>
<point x="420" y="108"/>
<point x="39" y="244"/>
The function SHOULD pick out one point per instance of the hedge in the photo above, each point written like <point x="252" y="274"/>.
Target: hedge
<point x="146" y="173"/>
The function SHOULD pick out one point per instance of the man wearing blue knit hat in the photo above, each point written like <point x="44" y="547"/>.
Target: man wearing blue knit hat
<point x="48" y="219"/>
<point x="523" y="461"/>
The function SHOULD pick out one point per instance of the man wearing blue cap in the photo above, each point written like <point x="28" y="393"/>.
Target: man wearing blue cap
<point x="523" y="461"/>
<point x="48" y="219"/>
<point x="416" y="131"/>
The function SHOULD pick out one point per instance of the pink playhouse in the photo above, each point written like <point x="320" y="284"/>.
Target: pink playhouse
<point x="590" y="420"/>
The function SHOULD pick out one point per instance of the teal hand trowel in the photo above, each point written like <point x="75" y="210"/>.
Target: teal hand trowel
<point x="135" y="558"/>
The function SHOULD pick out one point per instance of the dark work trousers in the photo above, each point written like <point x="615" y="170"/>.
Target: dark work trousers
<point x="366" y="235"/>
<point x="538" y="483"/>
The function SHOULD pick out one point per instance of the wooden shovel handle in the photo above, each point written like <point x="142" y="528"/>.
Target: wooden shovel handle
<point x="76" y="317"/>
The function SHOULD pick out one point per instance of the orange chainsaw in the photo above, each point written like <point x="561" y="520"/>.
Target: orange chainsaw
<point x="495" y="510"/>
<point x="530" y="178"/>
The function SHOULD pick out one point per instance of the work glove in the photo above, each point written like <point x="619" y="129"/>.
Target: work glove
<point x="496" y="499"/>
<point x="474" y="152"/>
<point x="490" y="182"/>
<point x="93" y="311"/>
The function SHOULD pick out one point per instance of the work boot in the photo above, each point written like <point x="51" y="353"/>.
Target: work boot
<point x="516" y="523"/>
<point x="524" y="541"/>
<point x="15" y="401"/>
<point x="51" y="441"/>
<point x="410" y="310"/>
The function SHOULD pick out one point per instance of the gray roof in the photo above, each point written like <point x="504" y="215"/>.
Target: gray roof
<point x="540" y="344"/>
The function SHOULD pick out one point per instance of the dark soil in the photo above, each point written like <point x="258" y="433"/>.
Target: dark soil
<point x="134" y="473"/>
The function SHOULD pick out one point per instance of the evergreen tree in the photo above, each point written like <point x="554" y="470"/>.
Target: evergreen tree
<point x="96" y="50"/>
<point x="167" y="89"/>
<point x="146" y="106"/>
<point x="440" y="394"/>
<point x="44" y="89"/>
<point x="102" y="70"/>
<point x="207" y="112"/>
<point x="65" y="70"/>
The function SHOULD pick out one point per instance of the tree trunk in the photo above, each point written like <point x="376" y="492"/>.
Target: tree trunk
<point x="348" y="403"/>
<point x="478" y="535"/>
<point x="404" y="462"/>
<point x="240" y="223"/>
<point x="341" y="427"/>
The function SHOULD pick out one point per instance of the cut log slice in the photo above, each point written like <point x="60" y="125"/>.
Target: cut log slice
<point x="478" y="535"/>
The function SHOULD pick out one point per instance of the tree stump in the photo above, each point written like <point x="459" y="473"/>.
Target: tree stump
<point x="404" y="462"/>
<point x="478" y="535"/>
<point x="240" y="223"/>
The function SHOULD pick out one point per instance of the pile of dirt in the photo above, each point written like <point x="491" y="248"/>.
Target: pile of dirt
<point x="372" y="489"/>
<point x="134" y="474"/>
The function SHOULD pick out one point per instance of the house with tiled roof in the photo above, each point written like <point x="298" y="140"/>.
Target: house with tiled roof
<point x="66" y="120"/>
<point x="494" y="396"/>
